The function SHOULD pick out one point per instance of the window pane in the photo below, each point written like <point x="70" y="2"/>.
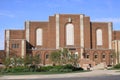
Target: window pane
<point x="87" y="56"/>
<point x="95" y="56"/>
<point x="103" y="56"/>
<point x="39" y="37"/>
<point x="69" y="34"/>
<point x="15" y="45"/>
<point x="99" y="36"/>
<point x="47" y="56"/>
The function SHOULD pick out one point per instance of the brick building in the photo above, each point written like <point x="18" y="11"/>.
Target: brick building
<point x="2" y="55"/>
<point x="95" y="42"/>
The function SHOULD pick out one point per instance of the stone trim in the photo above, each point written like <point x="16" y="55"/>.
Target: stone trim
<point x="7" y="42"/>
<point x="23" y="48"/>
<point x="81" y="35"/>
<point x="110" y="35"/>
<point x="27" y="30"/>
<point x="57" y="31"/>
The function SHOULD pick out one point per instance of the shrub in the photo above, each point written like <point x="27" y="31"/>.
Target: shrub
<point x="53" y="70"/>
<point x="73" y="68"/>
<point x="78" y="69"/>
<point x="35" y="68"/>
<point x="68" y="66"/>
<point x="1" y="69"/>
<point x="58" y="67"/>
<point x="16" y="69"/>
<point x="117" y="66"/>
<point x="65" y="70"/>
<point x="60" y="70"/>
<point x="45" y="68"/>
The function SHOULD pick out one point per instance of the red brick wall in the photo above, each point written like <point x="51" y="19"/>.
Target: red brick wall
<point x="2" y="55"/>
<point x="116" y="35"/>
<point x="76" y="23"/>
<point x="87" y="32"/>
<point x="33" y="27"/>
<point x="52" y="32"/>
<point x="17" y="51"/>
<point x="107" y="59"/>
<point x="104" y="27"/>
<point x="16" y="37"/>
<point x="17" y="34"/>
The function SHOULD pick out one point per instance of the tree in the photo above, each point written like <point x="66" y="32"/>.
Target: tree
<point x="55" y="57"/>
<point x="60" y="57"/>
<point x="28" y="60"/>
<point x="32" y="59"/>
<point x="65" y="56"/>
<point x="74" y="59"/>
<point x="7" y="62"/>
<point x="20" y="61"/>
<point x="36" y="59"/>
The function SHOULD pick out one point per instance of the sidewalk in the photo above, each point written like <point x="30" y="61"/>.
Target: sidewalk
<point x="82" y="74"/>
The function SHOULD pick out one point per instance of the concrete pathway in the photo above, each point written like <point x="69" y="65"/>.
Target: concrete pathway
<point x="82" y="74"/>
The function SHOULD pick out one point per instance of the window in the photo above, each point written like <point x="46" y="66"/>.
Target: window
<point x="39" y="33"/>
<point x="95" y="56"/>
<point x="87" y="56"/>
<point x="47" y="56"/>
<point x="69" y="34"/>
<point x="76" y="55"/>
<point x="111" y="56"/>
<point x="99" y="37"/>
<point x="15" y="45"/>
<point x="103" y="56"/>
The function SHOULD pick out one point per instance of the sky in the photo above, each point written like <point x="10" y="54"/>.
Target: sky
<point x="13" y="13"/>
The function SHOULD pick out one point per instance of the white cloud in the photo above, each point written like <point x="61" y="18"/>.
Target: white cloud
<point x="114" y="20"/>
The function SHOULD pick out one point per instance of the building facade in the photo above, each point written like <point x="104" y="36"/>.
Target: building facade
<point x="94" y="42"/>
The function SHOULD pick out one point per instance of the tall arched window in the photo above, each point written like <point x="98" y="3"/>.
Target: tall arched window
<point x="99" y="37"/>
<point x="69" y="34"/>
<point x="39" y="40"/>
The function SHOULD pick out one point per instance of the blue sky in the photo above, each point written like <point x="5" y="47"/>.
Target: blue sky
<point x="13" y="13"/>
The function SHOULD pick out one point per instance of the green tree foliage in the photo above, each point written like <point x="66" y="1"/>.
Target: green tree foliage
<point x="55" y="57"/>
<point x="117" y="66"/>
<point x="28" y="60"/>
<point x="7" y="62"/>
<point x="63" y="57"/>
<point x="74" y="59"/>
<point x="36" y="59"/>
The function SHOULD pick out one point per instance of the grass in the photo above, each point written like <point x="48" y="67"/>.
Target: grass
<point x="118" y="70"/>
<point x="113" y="69"/>
<point x="37" y="73"/>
